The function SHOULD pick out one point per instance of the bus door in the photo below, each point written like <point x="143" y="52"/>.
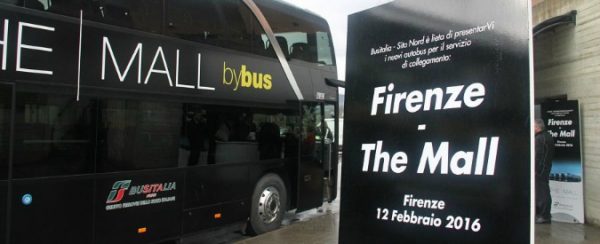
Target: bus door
<point x="6" y="92"/>
<point x="312" y="158"/>
<point x="330" y="146"/>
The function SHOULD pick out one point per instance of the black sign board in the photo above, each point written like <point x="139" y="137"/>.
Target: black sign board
<point x="563" y="122"/>
<point x="438" y="130"/>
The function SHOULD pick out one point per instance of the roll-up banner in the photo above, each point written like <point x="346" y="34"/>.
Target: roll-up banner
<point x="437" y="128"/>
<point x="566" y="177"/>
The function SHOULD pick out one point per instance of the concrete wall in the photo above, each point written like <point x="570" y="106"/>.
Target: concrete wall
<point x="567" y="61"/>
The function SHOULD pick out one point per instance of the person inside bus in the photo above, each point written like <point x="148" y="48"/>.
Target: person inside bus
<point x="245" y="129"/>
<point x="269" y="141"/>
<point x="197" y="136"/>
<point x="290" y="142"/>
<point x="223" y="132"/>
<point x="309" y="142"/>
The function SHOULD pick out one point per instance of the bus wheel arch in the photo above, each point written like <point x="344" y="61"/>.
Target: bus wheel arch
<point x="269" y="204"/>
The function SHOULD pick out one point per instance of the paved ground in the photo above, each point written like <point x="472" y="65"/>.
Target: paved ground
<point x="314" y="227"/>
<point x="566" y="233"/>
<point x="321" y="227"/>
<point x="324" y="230"/>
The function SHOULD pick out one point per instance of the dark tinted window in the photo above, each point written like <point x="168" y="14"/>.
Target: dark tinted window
<point x="303" y="36"/>
<point x="54" y="135"/>
<point x="216" y="135"/>
<point x="145" y="15"/>
<point x="138" y="135"/>
<point x="311" y="131"/>
<point x="63" y="7"/>
<point x="12" y="2"/>
<point x="225" y="23"/>
<point x="5" y="107"/>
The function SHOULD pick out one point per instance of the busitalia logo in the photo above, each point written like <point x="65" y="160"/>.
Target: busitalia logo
<point x="126" y="195"/>
<point x="246" y="78"/>
<point x="118" y="191"/>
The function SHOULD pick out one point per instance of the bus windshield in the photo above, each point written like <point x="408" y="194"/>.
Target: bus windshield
<point x="301" y="38"/>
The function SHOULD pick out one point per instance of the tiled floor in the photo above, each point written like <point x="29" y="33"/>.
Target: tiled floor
<point x="556" y="233"/>
<point x="322" y="229"/>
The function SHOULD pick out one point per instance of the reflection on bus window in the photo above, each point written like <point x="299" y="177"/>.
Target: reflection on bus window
<point x="225" y="23"/>
<point x="12" y="2"/>
<point x="54" y="135"/>
<point x="217" y="135"/>
<point x="300" y="38"/>
<point x="145" y="15"/>
<point x="64" y="7"/>
<point x="137" y="135"/>
<point x="311" y="131"/>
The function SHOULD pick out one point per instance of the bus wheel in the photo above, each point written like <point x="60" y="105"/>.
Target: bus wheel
<point x="268" y="204"/>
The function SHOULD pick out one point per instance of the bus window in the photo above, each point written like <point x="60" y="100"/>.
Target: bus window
<point x="12" y="2"/>
<point x="216" y="135"/>
<point x="311" y="132"/>
<point x="324" y="49"/>
<point x="54" y="135"/>
<point x="277" y="135"/>
<point x="135" y="135"/>
<point x="144" y="15"/>
<point x="195" y="139"/>
<point x="64" y="7"/>
<point x="305" y="39"/>
<point x="5" y="108"/>
<point x="224" y="23"/>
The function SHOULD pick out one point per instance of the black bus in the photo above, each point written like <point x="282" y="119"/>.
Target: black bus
<point x="142" y="121"/>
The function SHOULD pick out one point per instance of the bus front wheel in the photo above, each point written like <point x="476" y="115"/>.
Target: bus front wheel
<point x="268" y="204"/>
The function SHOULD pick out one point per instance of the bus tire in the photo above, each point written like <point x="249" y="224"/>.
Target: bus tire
<point x="268" y="204"/>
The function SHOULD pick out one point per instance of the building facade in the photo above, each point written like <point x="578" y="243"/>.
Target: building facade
<point x="567" y="63"/>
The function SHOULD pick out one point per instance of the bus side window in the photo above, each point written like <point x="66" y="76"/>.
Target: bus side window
<point x="135" y="135"/>
<point x="193" y="20"/>
<point x="64" y="7"/>
<point x="144" y="15"/>
<point x="306" y="40"/>
<point x="54" y="135"/>
<point x="12" y="2"/>
<point x="224" y="23"/>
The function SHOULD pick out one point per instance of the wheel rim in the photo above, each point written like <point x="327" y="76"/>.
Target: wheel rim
<point x="269" y="205"/>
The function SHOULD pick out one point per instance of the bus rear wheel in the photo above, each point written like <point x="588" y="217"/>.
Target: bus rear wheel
<point x="268" y="204"/>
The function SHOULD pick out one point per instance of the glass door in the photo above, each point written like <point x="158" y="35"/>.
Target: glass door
<point x="310" y="168"/>
<point x="329" y="132"/>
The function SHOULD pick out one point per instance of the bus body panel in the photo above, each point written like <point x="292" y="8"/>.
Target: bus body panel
<point x="217" y="183"/>
<point x="310" y="184"/>
<point x="316" y="90"/>
<point x="202" y="218"/>
<point x="3" y="210"/>
<point x="147" y="210"/>
<point x="220" y="194"/>
<point x="6" y="92"/>
<point x="61" y="210"/>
